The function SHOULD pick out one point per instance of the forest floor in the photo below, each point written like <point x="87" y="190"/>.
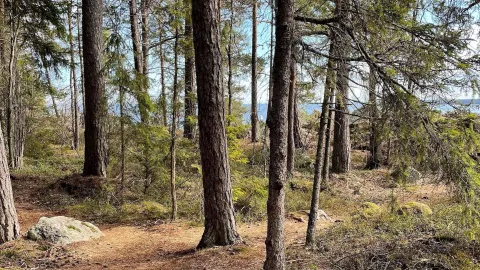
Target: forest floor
<point x="165" y="245"/>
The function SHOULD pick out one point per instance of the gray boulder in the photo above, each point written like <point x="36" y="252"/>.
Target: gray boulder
<point x="63" y="230"/>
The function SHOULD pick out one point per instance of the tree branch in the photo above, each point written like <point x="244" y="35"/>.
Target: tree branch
<point x="317" y="21"/>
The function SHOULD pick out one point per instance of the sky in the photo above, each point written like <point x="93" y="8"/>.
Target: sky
<point x="263" y="51"/>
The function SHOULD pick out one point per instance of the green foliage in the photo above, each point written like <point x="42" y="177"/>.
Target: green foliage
<point x="250" y="197"/>
<point x="234" y="134"/>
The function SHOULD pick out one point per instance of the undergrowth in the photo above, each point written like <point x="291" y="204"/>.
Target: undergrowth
<point x="392" y="241"/>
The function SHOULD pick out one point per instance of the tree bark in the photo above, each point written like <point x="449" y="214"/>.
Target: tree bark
<point x="95" y="163"/>
<point x="145" y="9"/>
<point x="80" y="57"/>
<point x="374" y="157"/>
<point x="73" y="83"/>
<point x="220" y="225"/>
<point x="291" y="116"/>
<point x="272" y="37"/>
<point x="229" y="57"/>
<point x="20" y="122"/>
<point x="164" y="89"/>
<point x="9" y="226"/>
<point x="254" y="114"/>
<point x="190" y="106"/>
<point x="122" y="140"/>
<point x="139" y="61"/>
<point x="173" y="161"/>
<point x="297" y="127"/>
<point x="51" y="91"/>
<point x="278" y="124"/>
<point x="321" y="146"/>
<point x="341" y="146"/>
<point x="137" y="53"/>
<point x="14" y="28"/>
<point x="328" y="139"/>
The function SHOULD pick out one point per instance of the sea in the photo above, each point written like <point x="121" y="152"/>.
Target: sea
<point x="473" y="105"/>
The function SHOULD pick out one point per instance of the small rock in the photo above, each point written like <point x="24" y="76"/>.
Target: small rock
<point x="63" y="230"/>
<point x="323" y="216"/>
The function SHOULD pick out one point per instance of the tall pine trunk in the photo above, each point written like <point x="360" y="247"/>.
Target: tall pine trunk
<point x="272" y="38"/>
<point x="291" y="116"/>
<point x="254" y="114"/>
<point x="341" y="141"/>
<point x="163" y="97"/>
<point x="95" y="163"/>
<point x="230" y="67"/>
<point x="321" y="146"/>
<point x="328" y="140"/>
<point x="20" y="131"/>
<point x="9" y="226"/>
<point x="139" y="62"/>
<point x="374" y="157"/>
<point x="80" y="57"/>
<point x="278" y="124"/>
<point x="190" y="106"/>
<point x="220" y="225"/>
<point x="173" y="153"/>
<point x="297" y="127"/>
<point x="73" y="83"/>
<point x="14" y="30"/>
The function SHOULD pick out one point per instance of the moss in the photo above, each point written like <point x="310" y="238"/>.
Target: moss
<point x="90" y="227"/>
<point x="71" y="227"/>
<point x="415" y="208"/>
<point x="369" y="210"/>
<point x="143" y="210"/>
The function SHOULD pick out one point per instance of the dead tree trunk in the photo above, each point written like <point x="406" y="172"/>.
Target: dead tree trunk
<point x="95" y="163"/>
<point x="278" y="124"/>
<point x="9" y="226"/>
<point x="220" y="225"/>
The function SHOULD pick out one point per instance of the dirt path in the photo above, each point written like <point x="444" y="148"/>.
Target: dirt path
<point x="171" y="246"/>
<point x="163" y="246"/>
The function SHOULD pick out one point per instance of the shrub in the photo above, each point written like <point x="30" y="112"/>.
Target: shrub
<point x="250" y="197"/>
